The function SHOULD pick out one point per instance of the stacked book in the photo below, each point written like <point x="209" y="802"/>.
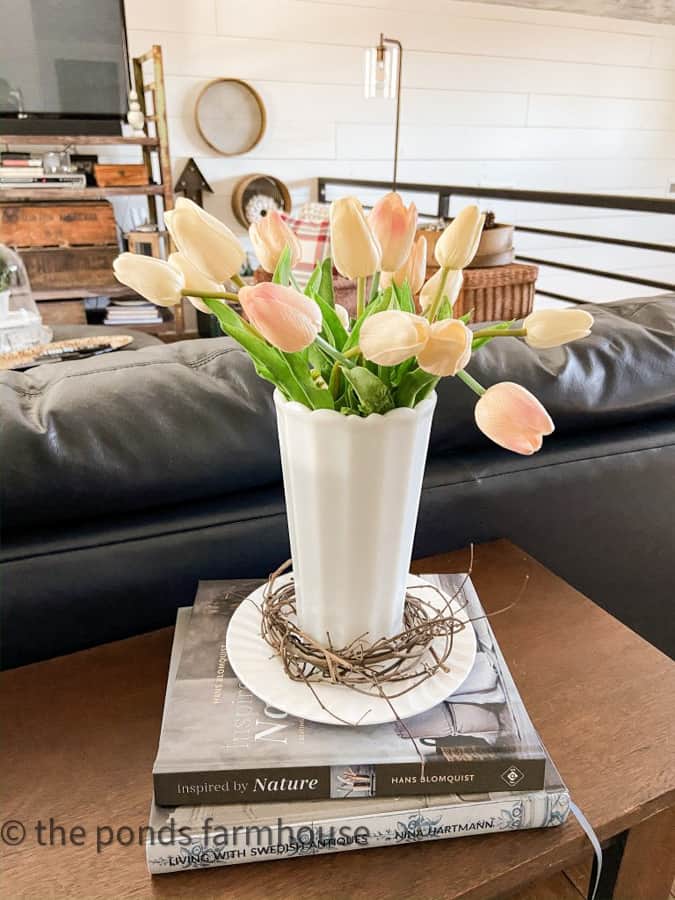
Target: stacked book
<point x="132" y="312"/>
<point x="22" y="170"/>
<point x="237" y="781"/>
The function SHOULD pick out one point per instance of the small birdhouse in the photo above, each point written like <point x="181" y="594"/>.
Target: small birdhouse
<point x="191" y="183"/>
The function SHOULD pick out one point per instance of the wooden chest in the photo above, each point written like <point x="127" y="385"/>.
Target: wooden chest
<point x="57" y="224"/>
<point x="62" y="268"/>
<point x="121" y="174"/>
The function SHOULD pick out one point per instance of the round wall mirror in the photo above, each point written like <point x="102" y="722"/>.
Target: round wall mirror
<point x="230" y="116"/>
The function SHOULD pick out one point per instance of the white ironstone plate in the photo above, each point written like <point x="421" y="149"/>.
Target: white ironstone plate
<point x="261" y="671"/>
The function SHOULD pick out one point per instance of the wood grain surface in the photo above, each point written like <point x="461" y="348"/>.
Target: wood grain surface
<point x="80" y="734"/>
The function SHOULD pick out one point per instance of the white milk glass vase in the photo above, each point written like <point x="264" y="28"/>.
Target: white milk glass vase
<point x="352" y="489"/>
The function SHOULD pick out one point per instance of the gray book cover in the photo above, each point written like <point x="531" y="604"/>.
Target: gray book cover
<point x="221" y="744"/>
<point x="189" y="837"/>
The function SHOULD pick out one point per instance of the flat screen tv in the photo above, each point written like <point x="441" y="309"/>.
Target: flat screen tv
<point x="63" y="67"/>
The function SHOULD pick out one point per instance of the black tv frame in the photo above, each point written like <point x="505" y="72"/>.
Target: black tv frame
<point x="58" y="124"/>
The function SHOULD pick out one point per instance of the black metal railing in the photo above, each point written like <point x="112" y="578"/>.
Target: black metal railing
<point x="444" y="194"/>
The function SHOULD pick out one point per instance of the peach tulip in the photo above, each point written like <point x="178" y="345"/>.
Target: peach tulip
<point x="282" y="315"/>
<point x="209" y="244"/>
<point x="448" y="349"/>
<point x="553" y="327"/>
<point x="458" y="244"/>
<point x="453" y="285"/>
<point x="513" y="418"/>
<point x="269" y="236"/>
<point x="390" y="337"/>
<point x="152" y="278"/>
<point x="394" y="227"/>
<point x="194" y="280"/>
<point x="413" y="269"/>
<point x="355" y="249"/>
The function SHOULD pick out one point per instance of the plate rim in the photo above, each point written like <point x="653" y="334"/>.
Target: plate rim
<point x="248" y="608"/>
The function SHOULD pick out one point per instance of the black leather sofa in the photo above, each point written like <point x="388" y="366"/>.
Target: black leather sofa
<point x="128" y="477"/>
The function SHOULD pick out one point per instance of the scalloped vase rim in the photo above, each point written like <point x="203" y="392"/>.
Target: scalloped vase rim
<point x="293" y="407"/>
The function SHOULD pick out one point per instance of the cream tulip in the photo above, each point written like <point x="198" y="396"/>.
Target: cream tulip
<point x="394" y="227"/>
<point x="152" y="278"/>
<point x="355" y="249"/>
<point x="554" y="327"/>
<point x="413" y="269"/>
<point x="209" y="244"/>
<point x="390" y="337"/>
<point x="458" y="244"/>
<point x="448" y="349"/>
<point x="343" y="315"/>
<point x="284" y="316"/>
<point x="194" y="280"/>
<point x="513" y="418"/>
<point x="453" y="285"/>
<point x="269" y="236"/>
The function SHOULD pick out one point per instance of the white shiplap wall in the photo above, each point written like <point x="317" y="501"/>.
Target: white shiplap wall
<point x="493" y="95"/>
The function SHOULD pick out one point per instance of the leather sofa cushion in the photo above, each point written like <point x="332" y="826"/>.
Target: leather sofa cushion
<point x="190" y="421"/>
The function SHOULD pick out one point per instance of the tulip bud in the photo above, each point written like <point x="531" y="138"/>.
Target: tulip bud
<point x="458" y="244"/>
<point x="413" y="270"/>
<point x="205" y="240"/>
<point x="269" y="236"/>
<point x="355" y="249"/>
<point x="282" y="315"/>
<point x="390" y="337"/>
<point x="513" y="418"/>
<point x="194" y="280"/>
<point x="152" y="278"/>
<point x="554" y="327"/>
<point x="394" y="227"/>
<point x="453" y="285"/>
<point x="343" y="315"/>
<point x="448" y="349"/>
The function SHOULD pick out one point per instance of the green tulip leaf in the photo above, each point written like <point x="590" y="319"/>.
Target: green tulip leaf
<point x="326" y="283"/>
<point x="269" y="362"/>
<point x="282" y="273"/>
<point x="319" y="397"/>
<point x="313" y="282"/>
<point x="414" y="387"/>
<point x="404" y="296"/>
<point x="336" y="333"/>
<point x="372" y="394"/>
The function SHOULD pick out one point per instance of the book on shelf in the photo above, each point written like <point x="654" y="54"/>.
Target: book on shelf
<point x="221" y="744"/>
<point x="189" y="837"/>
<point x="28" y="179"/>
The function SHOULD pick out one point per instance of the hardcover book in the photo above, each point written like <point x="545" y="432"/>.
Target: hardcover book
<point x="219" y="744"/>
<point x="189" y="837"/>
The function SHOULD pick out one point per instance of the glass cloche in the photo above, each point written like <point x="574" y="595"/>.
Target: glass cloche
<point x="20" y="322"/>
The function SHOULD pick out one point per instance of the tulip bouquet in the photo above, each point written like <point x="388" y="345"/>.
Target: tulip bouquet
<point x="393" y="352"/>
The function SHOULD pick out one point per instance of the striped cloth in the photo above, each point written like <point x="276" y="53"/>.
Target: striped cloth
<point x="314" y="238"/>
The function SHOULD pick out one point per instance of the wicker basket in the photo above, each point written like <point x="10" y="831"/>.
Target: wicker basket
<point x="501" y="292"/>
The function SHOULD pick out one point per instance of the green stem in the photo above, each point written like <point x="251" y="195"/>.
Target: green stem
<point x="294" y="282"/>
<point x="500" y="332"/>
<point x="360" y="296"/>
<point x="238" y="280"/>
<point x="470" y="382"/>
<point x="374" y="286"/>
<point x="330" y="350"/>
<point x="432" y="312"/>
<point x="352" y="352"/>
<point x="212" y="295"/>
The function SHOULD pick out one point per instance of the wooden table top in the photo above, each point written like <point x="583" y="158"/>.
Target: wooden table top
<point x="80" y="734"/>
